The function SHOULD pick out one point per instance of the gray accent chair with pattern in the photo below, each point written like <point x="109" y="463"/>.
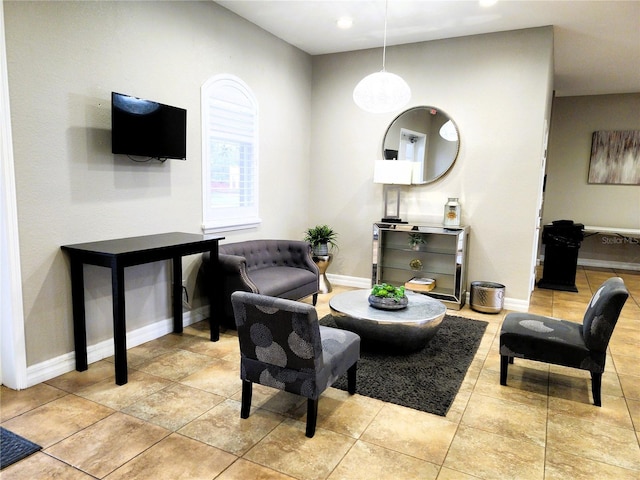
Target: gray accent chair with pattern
<point x="283" y="346"/>
<point x="561" y="342"/>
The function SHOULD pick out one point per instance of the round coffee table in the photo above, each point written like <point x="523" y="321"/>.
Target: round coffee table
<point x="408" y="329"/>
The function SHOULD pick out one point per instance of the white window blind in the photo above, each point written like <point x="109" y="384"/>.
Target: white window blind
<point x="229" y="155"/>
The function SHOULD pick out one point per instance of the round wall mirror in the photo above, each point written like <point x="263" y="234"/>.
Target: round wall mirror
<point x="425" y="136"/>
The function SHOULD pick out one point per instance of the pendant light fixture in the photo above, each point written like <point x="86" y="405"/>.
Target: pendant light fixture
<point x="382" y="92"/>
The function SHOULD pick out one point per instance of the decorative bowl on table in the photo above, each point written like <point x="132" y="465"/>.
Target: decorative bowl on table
<point x="388" y="297"/>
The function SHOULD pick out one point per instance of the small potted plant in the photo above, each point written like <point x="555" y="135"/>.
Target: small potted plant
<point x="321" y="237"/>
<point x="415" y="240"/>
<point x="388" y="297"/>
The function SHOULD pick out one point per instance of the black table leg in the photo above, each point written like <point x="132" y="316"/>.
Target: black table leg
<point x="79" y="320"/>
<point x="177" y="294"/>
<point x="119" y="323"/>
<point x="215" y="293"/>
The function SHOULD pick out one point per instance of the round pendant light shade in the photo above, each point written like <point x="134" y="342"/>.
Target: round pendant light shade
<point x="381" y="92"/>
<point x="448" y="131"/>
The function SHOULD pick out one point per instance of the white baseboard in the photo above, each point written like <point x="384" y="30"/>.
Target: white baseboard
<point x="516" y="305"/>
<point x="54" y="367"/>
<point x="588" y="262"/>
<point x="62" y="364"/>
<point x="592" y="262"/>
<point x="346" y="281"/>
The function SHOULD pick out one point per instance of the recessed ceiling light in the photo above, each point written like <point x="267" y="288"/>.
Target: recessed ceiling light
<point x="487" y="3"/>
<point x="344" y="23"/>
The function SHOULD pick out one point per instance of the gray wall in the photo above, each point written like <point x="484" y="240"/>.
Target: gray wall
<point x="64" y="59"/>
<point x="497" y="88"/>
<point x="568" y="194"/>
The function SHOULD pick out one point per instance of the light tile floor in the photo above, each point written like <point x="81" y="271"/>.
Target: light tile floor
<point x="178" y="417"/>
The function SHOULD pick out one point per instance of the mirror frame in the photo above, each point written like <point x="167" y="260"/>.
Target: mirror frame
<point x="438" y="111"/>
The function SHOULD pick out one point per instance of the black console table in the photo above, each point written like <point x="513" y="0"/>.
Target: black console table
<point x="125" y="252"/>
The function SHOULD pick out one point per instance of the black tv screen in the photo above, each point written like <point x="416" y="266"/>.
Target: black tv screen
<point x="147" y="128"/>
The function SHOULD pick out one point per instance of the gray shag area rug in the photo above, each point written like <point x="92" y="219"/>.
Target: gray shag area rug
<point x="426" y="380"/>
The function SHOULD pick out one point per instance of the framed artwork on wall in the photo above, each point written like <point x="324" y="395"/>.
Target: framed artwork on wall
<point x="615" y="157"/>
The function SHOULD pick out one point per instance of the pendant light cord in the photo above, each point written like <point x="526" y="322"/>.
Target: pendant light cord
<point x="384" y="42"/>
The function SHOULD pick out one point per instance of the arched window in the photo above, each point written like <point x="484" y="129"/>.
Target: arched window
<point x="229" y="155"/>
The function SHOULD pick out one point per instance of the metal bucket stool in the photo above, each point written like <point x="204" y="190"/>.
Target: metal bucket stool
<point x="487" y="297"/>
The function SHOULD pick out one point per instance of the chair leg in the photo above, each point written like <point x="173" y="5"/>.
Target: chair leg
<point x="596" y="385"/>
<point x="312" y="416"/>
<point x="315" y="299"/>
<point x="504" y="366"/>
<point x="351" y="378"/>
<point x="247" y="390"/>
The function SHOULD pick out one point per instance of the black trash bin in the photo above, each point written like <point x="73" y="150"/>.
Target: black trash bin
<point x="562" y="240"/>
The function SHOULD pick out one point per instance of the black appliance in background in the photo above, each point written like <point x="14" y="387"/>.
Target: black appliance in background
<point x="147" y="128"/>
<point x="562" y="240"/>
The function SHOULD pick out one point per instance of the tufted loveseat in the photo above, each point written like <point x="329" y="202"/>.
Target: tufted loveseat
<point x="277" y="268"/>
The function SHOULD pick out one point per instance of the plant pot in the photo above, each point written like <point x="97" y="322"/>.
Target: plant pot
<point x="321" y="249"/>
<point x="385" y="303"/>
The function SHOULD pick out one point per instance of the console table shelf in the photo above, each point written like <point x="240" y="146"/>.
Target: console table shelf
<point x="441" y="255"/>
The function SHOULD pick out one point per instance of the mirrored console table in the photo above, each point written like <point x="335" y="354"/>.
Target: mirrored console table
<point x="402" y="252"/>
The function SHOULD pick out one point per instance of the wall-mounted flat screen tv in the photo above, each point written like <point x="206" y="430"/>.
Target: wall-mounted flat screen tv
<point x="147" y="128"/>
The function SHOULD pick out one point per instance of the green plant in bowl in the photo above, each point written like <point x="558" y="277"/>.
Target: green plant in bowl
<point x="385" y="296"/>
<point x="386" y="290"/>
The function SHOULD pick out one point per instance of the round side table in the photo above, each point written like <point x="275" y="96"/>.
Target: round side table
<point x="323" y="262"/>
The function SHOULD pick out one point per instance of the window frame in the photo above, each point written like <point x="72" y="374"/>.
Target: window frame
<point x="225" y="88"/>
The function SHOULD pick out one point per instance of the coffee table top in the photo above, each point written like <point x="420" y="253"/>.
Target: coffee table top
<point x="355" y="304"/>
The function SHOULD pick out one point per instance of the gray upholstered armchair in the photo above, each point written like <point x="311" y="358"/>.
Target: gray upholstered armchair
<point x="283" y="346"/>
<point x="277" y="268"/>
<point x="551" y="340"/>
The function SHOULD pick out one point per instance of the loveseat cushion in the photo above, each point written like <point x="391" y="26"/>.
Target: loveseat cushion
<point x="284" y="282"/>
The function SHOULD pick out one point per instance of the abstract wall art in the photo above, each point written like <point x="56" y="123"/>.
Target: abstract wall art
<point x="615" y="157"/>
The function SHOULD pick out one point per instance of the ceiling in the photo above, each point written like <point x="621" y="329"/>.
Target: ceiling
<point x="596" y="43"/>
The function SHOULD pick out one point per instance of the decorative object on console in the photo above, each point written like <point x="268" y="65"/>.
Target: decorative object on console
<point x="382" y="91"/>
<point x="415" y="264"/>
<point x="321" y="237"/>
<point x="421" y="285"/>
<point x="452" y="213"/>
<point x="415" y="240"/>
<point x="392" y="173"/>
